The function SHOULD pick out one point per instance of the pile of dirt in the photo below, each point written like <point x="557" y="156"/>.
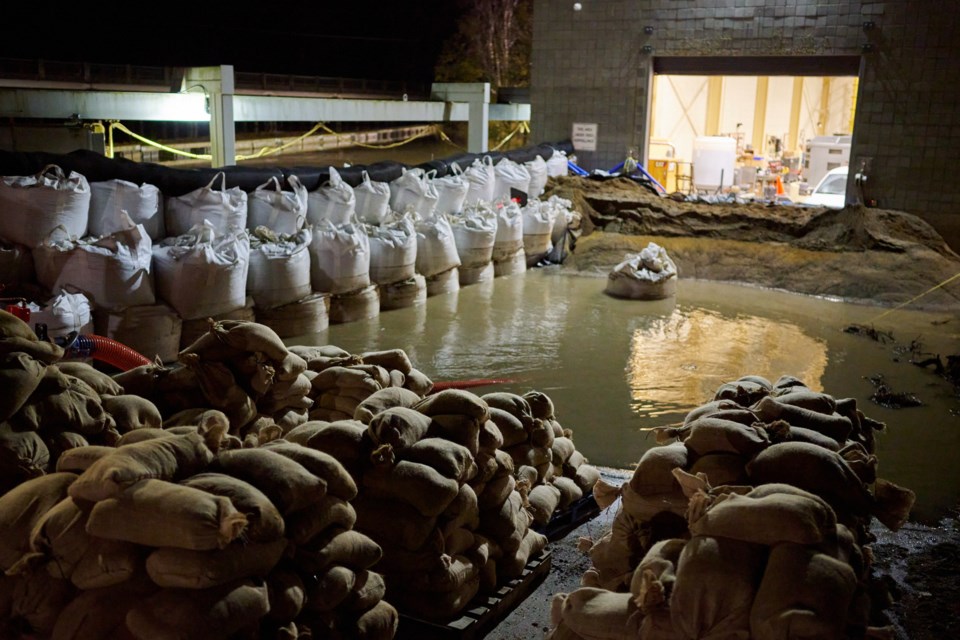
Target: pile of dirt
<point x="857" y="253"/>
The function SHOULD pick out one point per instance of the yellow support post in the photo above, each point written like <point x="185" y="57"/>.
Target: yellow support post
<point x="760" y="116"/>
<point x="714" y="102"/>
<point x="824" y="107"/>
<point x="794" y="143"/>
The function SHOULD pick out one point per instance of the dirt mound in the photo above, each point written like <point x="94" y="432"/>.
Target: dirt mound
<point x="868" y="255"/>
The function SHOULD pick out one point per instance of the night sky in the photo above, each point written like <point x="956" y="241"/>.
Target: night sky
<point x="358" y="39"/>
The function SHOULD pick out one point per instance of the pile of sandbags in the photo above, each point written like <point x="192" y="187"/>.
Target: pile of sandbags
<point x="753" y="524"/>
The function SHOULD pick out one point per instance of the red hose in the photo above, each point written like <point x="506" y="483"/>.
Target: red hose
<point x="113" y="353"/>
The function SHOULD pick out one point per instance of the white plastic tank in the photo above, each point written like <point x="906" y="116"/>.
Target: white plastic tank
<point x="714" y="158"/>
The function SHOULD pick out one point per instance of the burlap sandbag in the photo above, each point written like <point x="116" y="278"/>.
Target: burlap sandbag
<point x="321" y="464"/>
<point x="399" y="427"/>
<point x="313" y="520"/>
<point x="98" y="381"/>
<point x="79" y="459"/>
<point x="302" y="433"/>
<point x="743" y="392"/>
<point x="654" y="472"/>
<point x="368" y="589"/>
<point x="812" y="400"/>
<point x="380" y="622"/>
<point x="22" y="508"/>
<point x="57" y="541"/>
<point x="417" y="484"/>
<point x="617" y="552"/>
<point x="803" y="594"/>
<point x="106" y="563"/>
<point x="169" y="458"/>
<point x="454" y="401"/>
<point x="716" y="435"/>
<point x="541" y="435"/>
<point x="286" y="482"/>
<point x="13" y="327"/>
<point x="382" y="400"/>
<point x="393" y="523"/>
<point x="431" y="605"/>
<point x="653" y="579"/>
<point x="561" y="450"/>
<point x="459" y="542"/>
<point x="199" y="614"/>
<point x="458" y="572"/>
<point x="100" y="614"/>
<point x="782" y="431"/>
<point x="20" y="375"/>
<point x="717" y="580"/>
<point x="333" y="378"/>
<point x="36" y="602"/>
<point x="509" y="519"/>
<point x="389" y="359"/>
<point x="46" y="352"/>
<point x="496" y="491"/>
<point x="132" y="412"/>
<point x="330" y="588"/>
<point x="345" y="440"/>
<point x="586" y="477"/>
<point x="463" y="511"/>
<point x="721" y="468"/>
<point x="190" y="569"/>
<point x="220" y="388"/>
<point x="598" y="613"/>
<point x="459" y="428"/>
<point x="158" y="513"/>
<point x="449" y="458"/>
<point x="264" y="522"/>
<point x="569" y="491"/>
<point x="833" y="425"/>
<point x="351" y="549"/>
<point x="23" y="455"/>
<point x="543" y="499"/>
<point x="287" y="593"/>
<point x="63" y="403"/>
<point x="418" y="382"/>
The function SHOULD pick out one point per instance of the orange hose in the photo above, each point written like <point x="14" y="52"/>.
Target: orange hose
<point x="112" y="352"/>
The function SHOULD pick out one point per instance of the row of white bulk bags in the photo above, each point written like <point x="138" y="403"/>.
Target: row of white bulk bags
<point x="451" y="192"/>
<point x="509" y="238"/>
<point x="510" y="176"/>
<point x="202" y="273"/>
<point x="557" y="164"/>
<point x="333" y="201"/>
<point x="436" y="246"/>
<point x="143" y="204"/>
<point x="279" y="267"/>
<point x="32" y="207"/>
<point x="339" y="258"/>
<point x="481" y="180"/>
<point x="414" y="191"/>
<point x="373" y="200"/>
<point x="283" y="212"/>
<point x="113" y="271"/>
<point x="63" y="313"/>
<point x="475" y="232"/>
<point x="223" y="209"/>
<point x="537" y="168"/>
<point x="393" y="249"/>
<point x="16" y="263"/>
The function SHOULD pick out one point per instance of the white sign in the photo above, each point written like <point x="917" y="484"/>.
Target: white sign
<point x="584" y="136"/>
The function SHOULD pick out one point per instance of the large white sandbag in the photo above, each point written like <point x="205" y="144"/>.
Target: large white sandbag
<point x="279" y="267"/>
<point x="16" y="263"/>
<point x="451" y="191"/>
<point x="339" y="258"/>
<point x="393" y="250"/>
<point x="557" y="164"/>
<point x="537" y="229"/>
<point x="509" y="230"/>
<point x="564" y="217"/>
<point x="481" y="180"/>
<point x="333" y="201"/>
<point x="537" y="168"/>
<point x="510" y="176"/>
<point x="281" y="211"/>
<point x="223" y="208"/>
<point x="31" y="207"/>
<point x="414" y="191"/>
<point x="63" y="313"/>
<point x="436" y="246"/>
<point x="142" y="203"/>
<point x="113" y="271"/>
<point x="202" y="273"/>
<point x="474" y="232"/>
<point x="150" y="330"/>
<point x="373" y="200"/>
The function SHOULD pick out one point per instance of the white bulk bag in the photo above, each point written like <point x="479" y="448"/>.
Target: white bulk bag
<point x="648" y="275"/>
<point x="201" y="273"/>
<point x="63" y="313"/>
<point x="279" y="268"/>
<point x="333" y="201"/>
<point x="393" y="250"/>
<point x="414" y="191"/>
<point x="31" y="207"/>
<point x="451" y="192"/>
<point x="537" y="168"/>
<point x="113" y="271"/>
<point x="283" y="212"/>
<point x="141" y="203"/>
<point x="436" y="246"/>
<point x="510" y="175"/>
<point x="373" y="200"/>
<point x="537" y="229"/>
<point x="481" y="180"/>
<point x="16" y="263"/>
<point x="339" y="258"/>
<point x="151" y="330"/>
<point x="223" y="208"/>
<point x="475" y="231"/>
<point x="564" y="217"/>
<point x="509" y="238"/>
<point x="557" y="164"/>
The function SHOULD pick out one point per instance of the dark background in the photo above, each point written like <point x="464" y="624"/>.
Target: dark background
<point x="362" y="39"/>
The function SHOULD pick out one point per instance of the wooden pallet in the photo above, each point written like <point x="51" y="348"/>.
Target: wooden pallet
<point x="483" y="613"/>
<point x="563" y="522"/>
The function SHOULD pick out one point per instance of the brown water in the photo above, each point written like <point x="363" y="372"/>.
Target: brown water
<point x="615" y="367"/>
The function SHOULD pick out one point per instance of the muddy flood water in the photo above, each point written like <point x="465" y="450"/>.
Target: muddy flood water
<point x="616" y="367"/>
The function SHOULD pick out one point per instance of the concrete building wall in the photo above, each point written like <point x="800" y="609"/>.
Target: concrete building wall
<point x="591" y="66"/>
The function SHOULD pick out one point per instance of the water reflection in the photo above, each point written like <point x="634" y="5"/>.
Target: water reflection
<point x="616" y="367"/>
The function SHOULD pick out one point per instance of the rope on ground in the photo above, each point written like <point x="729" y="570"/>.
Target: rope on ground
<point x="118" y="126"/>
<point x="911" y="301"/>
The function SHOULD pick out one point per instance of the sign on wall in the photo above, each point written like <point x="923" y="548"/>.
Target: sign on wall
<point x="584" y="136"/>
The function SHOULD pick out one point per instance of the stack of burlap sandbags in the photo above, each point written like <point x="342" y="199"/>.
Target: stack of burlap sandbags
<point x="754" y="525"/>
<point x="171" y="536"/>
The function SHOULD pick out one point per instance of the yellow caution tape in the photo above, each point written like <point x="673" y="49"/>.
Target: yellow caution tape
<point x="162" y="147"/>
<point x="523" y="126"/>
<point x="912" y="300"/>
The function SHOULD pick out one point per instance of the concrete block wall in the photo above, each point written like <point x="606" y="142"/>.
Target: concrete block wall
<point x="590" y="66"/>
